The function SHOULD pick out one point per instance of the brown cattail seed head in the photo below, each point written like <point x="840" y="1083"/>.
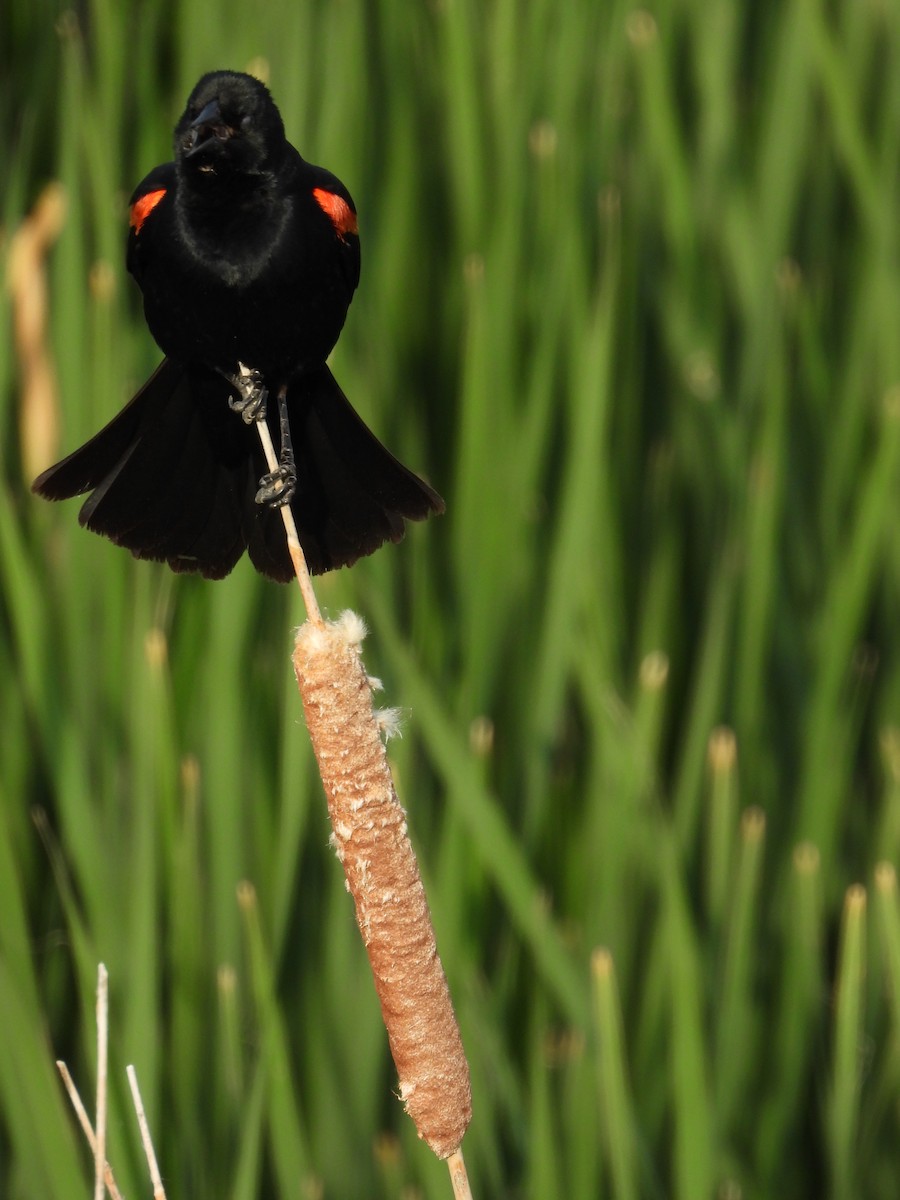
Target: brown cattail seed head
<point x="371" y="841"/>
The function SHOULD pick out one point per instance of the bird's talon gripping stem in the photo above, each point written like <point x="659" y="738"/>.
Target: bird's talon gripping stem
<point x="278" y="487"/>
<point x="252" y="394"/>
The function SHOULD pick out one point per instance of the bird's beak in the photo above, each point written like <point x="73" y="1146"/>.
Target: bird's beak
<point x="207" y="124"/>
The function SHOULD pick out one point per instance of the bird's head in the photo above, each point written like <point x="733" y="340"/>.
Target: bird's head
<point x="229" y="129"/>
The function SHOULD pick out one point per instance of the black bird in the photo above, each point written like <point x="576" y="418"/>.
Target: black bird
<point x="247" y="257"/>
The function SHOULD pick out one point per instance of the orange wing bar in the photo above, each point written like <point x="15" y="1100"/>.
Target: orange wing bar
<point x="143" y="206"/>
<point x="339" y="212"/>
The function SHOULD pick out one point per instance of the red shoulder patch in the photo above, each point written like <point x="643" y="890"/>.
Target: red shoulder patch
<point x="143" y="207"/>
<point x="338" y="211"/>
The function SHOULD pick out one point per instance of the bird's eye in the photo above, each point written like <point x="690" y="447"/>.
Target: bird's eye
<point x="245" y="122"/>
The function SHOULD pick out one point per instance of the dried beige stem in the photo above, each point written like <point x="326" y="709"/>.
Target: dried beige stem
<point x="102" y="1080"/>
<point x="103" y="1175"/>
<point x="371" y="840"/>
<point x="85" y="1122"/>
<point x="159" y="1192"/>
<point x="459" y="1179"/>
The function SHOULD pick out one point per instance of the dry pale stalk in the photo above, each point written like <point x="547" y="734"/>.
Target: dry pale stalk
<point x="87" y="1127"/>
<point x="97" y="1141"/>
<point x="371" y="840"/>
<point x="102" y="1079"/>
<point x="146" y="1140"/>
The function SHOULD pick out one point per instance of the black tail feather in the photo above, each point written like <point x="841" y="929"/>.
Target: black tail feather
<point x="352" y="494"/>
<point x="174" y="477"/>
<point x="88" y="466"/>
<point x="169" y="480"/>
<point x="179" y="497"/>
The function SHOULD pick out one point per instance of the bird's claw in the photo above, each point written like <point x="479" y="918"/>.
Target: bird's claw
<point x="278" y="487"/>
<point x="252" y="395"/>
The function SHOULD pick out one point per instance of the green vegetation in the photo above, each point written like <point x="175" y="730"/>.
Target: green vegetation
<point x="631" y="299"/>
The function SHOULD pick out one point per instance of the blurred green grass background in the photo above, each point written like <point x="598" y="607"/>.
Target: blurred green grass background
<point x="630" y="300"/>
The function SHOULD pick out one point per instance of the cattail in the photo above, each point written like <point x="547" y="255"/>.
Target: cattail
<point x="369" y="834"/>
<point x="371" y="841"/>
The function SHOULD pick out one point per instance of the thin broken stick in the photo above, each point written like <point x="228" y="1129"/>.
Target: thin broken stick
<point x="102" y="1071"/>
<point x="159" y="1192"/>
<point x="97" y="1141"/>
<point x="85" y="1123"/>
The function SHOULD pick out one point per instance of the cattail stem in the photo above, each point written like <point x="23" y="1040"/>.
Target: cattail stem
<point x="371" y="840"/>
<point x="293" y="541"/>
<point x="458" y="1176"/>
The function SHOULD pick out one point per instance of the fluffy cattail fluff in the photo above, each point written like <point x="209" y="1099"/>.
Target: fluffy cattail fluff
<point x="382" y="876"/>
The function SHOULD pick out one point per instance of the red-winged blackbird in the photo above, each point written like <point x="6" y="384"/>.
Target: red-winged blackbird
<point x="247" y="257"/>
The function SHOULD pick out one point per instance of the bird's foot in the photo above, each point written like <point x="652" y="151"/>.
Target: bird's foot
<point x="252" y="394"/>
<point x="278" y="487"/>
